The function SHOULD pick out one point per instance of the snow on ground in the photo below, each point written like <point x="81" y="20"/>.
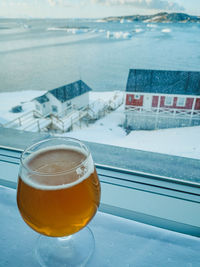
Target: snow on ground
<point x="178" y="141"/>
<point x="94" y="96"/>
<point x="9" y="100"/>
<point x="105" y="130"/>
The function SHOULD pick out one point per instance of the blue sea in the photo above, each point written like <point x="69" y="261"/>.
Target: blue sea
<point x="43" y="54"/>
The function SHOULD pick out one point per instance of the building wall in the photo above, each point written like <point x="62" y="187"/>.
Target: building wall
<point x="54" y="101"/>
<point x="159" y="100"/>
<point x="77" y="102"/>
<point x="130" y="100"/>
<point x="80" y="101"/>
<point x="43" y="108"/>
<point x="197" y="104"/>
<point x="188" y="103"/>
<point x="155" y="101"/>
<point x="66" y="106"/>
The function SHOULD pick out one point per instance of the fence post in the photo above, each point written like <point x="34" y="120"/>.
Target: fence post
<point x="20" y="122"/>
<point x="38" y="124"/>
<point x="156" y="120"/>
<point x="193" y="109"/>
<point x="71" y="124"/>
<point x="79" y="119"/>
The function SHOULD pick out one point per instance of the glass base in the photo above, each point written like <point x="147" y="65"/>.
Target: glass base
<point x="69" y="251"/>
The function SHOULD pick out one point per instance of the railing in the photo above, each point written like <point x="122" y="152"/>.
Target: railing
<point x="165" y="112"/>
<point x="37" y="125"/>
<point x="19" y="121"/>
<point x="28" y="121"/>
<point x="57" y="123"/>
<point x="69" y="120"/>
<point x="63" y="113"/>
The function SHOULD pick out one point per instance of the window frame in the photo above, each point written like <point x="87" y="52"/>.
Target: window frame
<point x="178" y="104"/>
<point x="68" y="104"/>
<point x="137" y="97"/>
<point x="54" y="108"/>
<point x="130" y="98"/>
<point x="167" y="102"/>
<point x="133" y="195"/>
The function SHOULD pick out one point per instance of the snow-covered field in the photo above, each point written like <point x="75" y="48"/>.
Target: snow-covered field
<point x="178" y="141"/>
<point x="9" y="100"/>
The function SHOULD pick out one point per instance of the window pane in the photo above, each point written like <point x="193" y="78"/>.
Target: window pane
<point x="168" y="101"/>
<point x="181" y="102"/>
<point x="137" y="96"/>
<point x="54" y="108"/>
<point x="118" y="79"/>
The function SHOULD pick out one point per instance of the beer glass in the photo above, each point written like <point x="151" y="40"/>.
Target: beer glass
<point x="58" y="194"/>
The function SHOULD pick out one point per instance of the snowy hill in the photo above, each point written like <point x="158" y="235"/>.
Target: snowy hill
<point x="162" y="17"/>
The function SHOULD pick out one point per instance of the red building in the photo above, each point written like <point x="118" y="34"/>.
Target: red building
<point x="162" y="99"/>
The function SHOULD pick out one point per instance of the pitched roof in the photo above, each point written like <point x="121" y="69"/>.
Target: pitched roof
<point x="70" y="91"/>
<point x="42" y="99"/>
<point x="164" y="82"/>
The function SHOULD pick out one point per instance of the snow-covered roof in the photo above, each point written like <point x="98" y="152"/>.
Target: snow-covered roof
<point x="70" y="91"/>
<point x="42" y="99"/>
<point x="164" y="82"/>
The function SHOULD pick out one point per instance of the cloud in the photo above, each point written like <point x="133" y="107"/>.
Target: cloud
<point x="146" y="4"/>
<point x="19" y="2"/>
<point x="65" y="3"/>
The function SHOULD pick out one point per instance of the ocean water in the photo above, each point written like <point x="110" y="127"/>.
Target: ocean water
<point x="45" y="54"/>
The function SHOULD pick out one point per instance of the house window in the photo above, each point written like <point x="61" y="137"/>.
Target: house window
<point x="168" y="101"/>
<point x="54" y="108"/>
<point x="136" y="97"/>
<point x="129" y="98"/>
<point x="181" y="101"/>
<point x="37" y="107"/>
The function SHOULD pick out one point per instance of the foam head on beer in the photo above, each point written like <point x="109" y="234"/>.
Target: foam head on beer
<point x="58" y="190"/>
<point x="57" y="166"/>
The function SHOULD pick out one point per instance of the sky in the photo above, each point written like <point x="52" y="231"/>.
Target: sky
<point x="93" y="8"/>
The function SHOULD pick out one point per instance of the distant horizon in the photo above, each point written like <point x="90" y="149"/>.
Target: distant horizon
<point x="126" y="15"/>
<point x="94" y="8"/>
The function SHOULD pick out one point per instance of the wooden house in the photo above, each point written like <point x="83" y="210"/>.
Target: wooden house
<point x="162" y="99"/>
<point x="62" y="99"/>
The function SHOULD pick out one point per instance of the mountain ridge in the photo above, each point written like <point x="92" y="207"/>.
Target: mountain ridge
<point x="161" y="17"/>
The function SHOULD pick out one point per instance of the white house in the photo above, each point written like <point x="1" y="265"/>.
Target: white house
<point x="62" y="99"/>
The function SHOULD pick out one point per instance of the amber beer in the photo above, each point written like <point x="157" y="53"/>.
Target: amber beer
<point x="58" y="190"/>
